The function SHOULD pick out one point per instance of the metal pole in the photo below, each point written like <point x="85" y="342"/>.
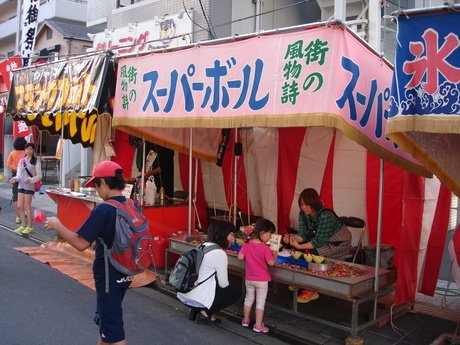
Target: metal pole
<point x="141" y="192"/>
<point x="379" y="234"/>
<point x="258" y="10"/>
<point x="235" y="175"/>
<point x="18" y="28"/>
<point x="190" y="186"/>
<point x="194" y="194"/>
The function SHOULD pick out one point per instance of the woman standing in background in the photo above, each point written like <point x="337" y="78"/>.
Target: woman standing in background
<point x="29" y="171"/>
<point x="13" y="160"/>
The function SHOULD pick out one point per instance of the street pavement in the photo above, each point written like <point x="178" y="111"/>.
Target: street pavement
<point x="40" y="305"/>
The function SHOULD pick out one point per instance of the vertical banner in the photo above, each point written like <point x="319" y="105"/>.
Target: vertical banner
<point x="424" y="115"/>
<point x="29" y="21"/>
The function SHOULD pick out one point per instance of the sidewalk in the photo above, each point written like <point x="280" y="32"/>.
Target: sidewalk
<point x="432" y="318"/>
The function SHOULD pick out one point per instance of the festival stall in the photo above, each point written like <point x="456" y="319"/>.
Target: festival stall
<point x="72" y="99"/>
<point x="308" y="108"/>
<point x="66" y="98"/>
<point x="424" y="117"/>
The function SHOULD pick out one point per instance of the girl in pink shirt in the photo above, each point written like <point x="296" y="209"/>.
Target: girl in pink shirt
<point x="257" y="255"/>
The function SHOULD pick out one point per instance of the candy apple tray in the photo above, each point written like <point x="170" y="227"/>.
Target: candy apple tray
<point x="291" y="260"/>
<point x="284" y="259"/>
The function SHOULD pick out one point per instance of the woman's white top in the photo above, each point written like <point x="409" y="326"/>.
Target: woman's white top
<point x="203" y="295"/>
<point x="22" y="175"/>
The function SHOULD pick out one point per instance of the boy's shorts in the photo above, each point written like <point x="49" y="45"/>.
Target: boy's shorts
<point x="109" y="312"/>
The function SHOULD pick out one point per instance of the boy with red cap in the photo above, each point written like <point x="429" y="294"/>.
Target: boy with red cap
<point x="109" y="183"/>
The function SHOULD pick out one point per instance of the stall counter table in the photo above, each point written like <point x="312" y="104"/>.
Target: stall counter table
<point x="74" y="208"/>
<point x="356" y="290"/>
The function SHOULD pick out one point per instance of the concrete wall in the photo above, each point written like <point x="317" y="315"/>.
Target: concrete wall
<point x="217" y="12"/>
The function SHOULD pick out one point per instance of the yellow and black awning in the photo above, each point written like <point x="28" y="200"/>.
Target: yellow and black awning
<point x="64" y="97"/>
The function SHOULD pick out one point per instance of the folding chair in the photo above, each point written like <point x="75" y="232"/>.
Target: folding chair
<point x="360" y="225"/>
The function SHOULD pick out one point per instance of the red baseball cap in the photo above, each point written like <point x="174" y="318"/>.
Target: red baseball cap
<point x="103" y="169"/>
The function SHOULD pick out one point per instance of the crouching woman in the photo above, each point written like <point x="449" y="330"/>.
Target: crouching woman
<point x="215" y="293"/>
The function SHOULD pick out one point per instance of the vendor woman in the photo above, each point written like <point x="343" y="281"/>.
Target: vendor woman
<point x="321" y="232"/>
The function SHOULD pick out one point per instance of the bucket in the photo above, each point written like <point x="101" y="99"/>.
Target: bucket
<point x="159" y="246"/>
<point x="387" y="253"/>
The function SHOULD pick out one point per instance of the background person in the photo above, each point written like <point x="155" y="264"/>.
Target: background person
<point x="12" y="163"/>
<point x="217" y="293"/>
<point x="257" y="255"/>
<point x="109" y="183"/>
<point x="321" y="232"/>
<point x="29" y="171"/>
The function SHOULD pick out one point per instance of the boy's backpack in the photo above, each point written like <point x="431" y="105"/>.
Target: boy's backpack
<point x="131" y="251"/>
<point x="184" y="275"/>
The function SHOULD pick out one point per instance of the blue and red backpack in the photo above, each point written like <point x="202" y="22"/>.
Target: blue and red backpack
<point x="131" y="251"/>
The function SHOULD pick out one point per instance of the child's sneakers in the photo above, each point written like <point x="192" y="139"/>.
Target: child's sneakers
<point x="260" y="328"/>
<point x="27" y="230"/>
<point x="307" y="296"/>
<point x="20" y="229"/>
<point x="18" y="220"/>
<point x="245" y="323"/>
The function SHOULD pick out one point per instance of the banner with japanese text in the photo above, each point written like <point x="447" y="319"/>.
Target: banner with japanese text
<point x="29" y="20"/>
<point x="64" y="97"/>
<point x="424" y="117"/>
<point x="322" y="76"/>
<point x="5" y="70"/>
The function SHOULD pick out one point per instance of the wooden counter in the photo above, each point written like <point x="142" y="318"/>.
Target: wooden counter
<point x="74" y="208"/>
<point x="356" y="290"/>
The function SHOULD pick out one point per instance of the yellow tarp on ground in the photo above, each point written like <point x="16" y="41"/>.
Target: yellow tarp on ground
<point x="77" y="265"/>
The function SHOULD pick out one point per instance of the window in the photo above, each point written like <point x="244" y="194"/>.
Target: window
<point x="49" y="33"/>
<point x="123" y="3"/>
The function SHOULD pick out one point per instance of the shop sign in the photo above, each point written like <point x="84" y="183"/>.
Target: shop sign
<point x="166" y="31"/>
<point x="62" y="98"/>
<point x="424" y="116"/>
<point x="7" y="66"/>
<point x="316" y="77"/>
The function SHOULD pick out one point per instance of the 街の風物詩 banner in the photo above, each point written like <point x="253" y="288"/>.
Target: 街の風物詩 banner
<point x="322" y="76"/>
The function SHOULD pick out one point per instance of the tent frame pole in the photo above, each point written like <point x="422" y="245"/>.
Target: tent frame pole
<point x="190" y="186"/>
<point x="235" y="176"/>
<point x="379" y="235"/>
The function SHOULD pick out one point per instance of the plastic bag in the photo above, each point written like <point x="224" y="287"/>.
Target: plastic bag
<point x="150" y="191"/>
